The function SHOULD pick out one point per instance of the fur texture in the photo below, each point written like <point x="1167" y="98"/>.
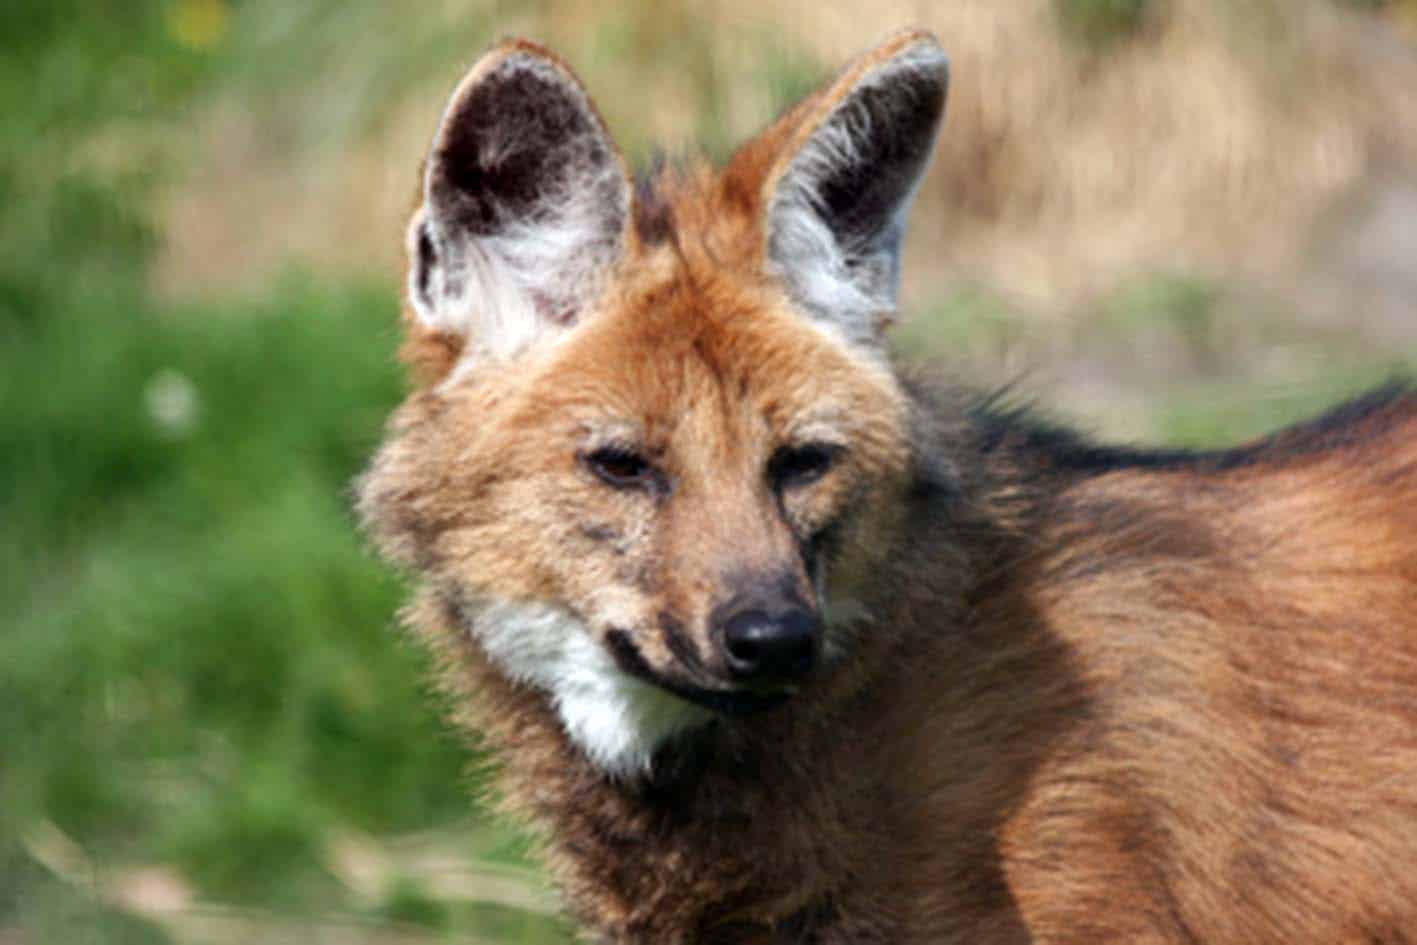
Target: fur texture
<point x="1058" y="692"/>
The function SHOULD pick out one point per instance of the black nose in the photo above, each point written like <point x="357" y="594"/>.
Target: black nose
<point x="763" y="647"/>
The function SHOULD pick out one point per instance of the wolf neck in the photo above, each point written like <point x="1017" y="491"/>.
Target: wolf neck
<point x="723" y="817"/>
<point x="723" y="821"/>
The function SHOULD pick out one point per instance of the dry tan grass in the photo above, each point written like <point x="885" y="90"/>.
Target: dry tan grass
<point x="368" y="867"/>
<point x="1212" y="143"/>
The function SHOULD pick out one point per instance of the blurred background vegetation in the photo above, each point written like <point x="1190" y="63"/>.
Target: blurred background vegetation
<point x="1186" y="220"/>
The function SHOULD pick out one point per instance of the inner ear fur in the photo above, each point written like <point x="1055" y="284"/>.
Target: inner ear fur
<point x="840" y="172"/>
<point x="525" y="206"/>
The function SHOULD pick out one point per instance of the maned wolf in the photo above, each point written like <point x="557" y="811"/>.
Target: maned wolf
<point x="782" y="644"/>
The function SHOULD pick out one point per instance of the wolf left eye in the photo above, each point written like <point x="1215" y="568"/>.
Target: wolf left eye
<point x="793" y="466"/>
<point x="621" y="468"/>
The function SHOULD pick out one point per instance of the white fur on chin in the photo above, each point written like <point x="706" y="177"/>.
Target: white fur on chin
<point x="617" y="720"/>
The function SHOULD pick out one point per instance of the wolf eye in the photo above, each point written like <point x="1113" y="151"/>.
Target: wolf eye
<point x="793" y="466"/>
<point x="621" y="468"/>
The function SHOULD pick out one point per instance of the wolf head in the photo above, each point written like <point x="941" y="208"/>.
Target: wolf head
<point x="655" y="435"/>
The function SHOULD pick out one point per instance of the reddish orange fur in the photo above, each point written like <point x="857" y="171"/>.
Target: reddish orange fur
<point x="1108" y="696"/>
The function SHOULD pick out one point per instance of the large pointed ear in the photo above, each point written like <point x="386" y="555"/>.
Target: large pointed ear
<point x="525" y="205"/>
<point x="837" y="196"/>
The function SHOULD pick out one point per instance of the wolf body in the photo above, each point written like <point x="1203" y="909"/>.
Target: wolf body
<point x="780" y="643"/>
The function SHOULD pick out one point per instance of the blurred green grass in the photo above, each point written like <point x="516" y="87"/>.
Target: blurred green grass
<point x="202" y="682"/>
<point x="201" y="685"/>
<point x="200" y="665"/>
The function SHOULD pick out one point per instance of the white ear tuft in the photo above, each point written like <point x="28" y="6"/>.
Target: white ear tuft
<point x="526" y="201"/>
<point x="837" y="208"/>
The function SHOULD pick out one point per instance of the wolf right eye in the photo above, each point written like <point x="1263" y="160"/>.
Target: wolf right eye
<point x="794" y="466"/>
<point x="621" y="468"/>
